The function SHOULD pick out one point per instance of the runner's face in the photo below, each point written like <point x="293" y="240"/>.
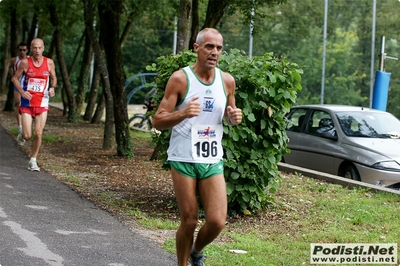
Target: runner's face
<point x="37" y="49"/>
<point x="22" y="50"/>
<point x="209" y="51"/>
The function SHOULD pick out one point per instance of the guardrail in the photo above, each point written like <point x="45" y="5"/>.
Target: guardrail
<point x="284" y="167"/>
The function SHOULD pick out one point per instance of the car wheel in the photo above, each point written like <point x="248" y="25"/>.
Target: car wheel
<point x="351" y="173"/>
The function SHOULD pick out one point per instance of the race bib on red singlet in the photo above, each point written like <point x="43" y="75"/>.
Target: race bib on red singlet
<point x="206" y="142"/>
<point x="36" y="85"/>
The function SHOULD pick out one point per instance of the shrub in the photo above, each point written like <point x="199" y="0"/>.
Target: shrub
<point x="266" y="89"/>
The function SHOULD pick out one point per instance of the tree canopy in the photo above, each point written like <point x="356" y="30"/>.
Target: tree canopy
<point x="146" y="30"/>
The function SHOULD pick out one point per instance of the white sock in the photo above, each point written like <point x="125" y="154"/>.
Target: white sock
<point x="33" y="159"/>
<point x="194" y="251"/>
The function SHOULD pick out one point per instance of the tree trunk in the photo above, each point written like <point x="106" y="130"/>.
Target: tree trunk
<point x="109" y="130"/>
<point x="84" y="75"/>
<point x="25" y="30"/>
<point x="98" y="114"/>
<point x="6" y="61"/>
<point x="110" y="16"/>
<point x="51" y="52"/>
<point x="32" y="30"/>
<point x="128" y="26"/>
<point x="72" y="117"/>
<point x="71" y="69"/>
<point x="195" y="23"/>
<point x="94" y="92"/>
<point x="15" y="26"/>
<point x="156" y="152"/>
<point x="185" y="8"/>
<point x="15" y="32"/>
<point x="215" y="11"/>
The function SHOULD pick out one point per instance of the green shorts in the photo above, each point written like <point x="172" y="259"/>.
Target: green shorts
<point x="198" y="170"/>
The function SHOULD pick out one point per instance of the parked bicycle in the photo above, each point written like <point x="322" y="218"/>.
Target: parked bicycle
<point x="143" y="121"/>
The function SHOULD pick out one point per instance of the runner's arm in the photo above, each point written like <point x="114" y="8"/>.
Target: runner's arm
<point x="233" y="115"/>
<point x="53" y="77"/>
<point x="11" y="67"/>
<point x="23" y="67"/>
<point x="175" y="90"/>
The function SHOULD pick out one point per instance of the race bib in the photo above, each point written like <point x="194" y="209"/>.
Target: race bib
<point x="206" y="142"/>
<point x="36" y="85"/>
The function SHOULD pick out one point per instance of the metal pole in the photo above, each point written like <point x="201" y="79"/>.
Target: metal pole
<point x="92" y="63"/>
<point x="382" y="55"/>
<point x="251" y="33"/>
<point x="324" y="52"/>
<point x="371" y="85"/>
<point x="175" y="35"/>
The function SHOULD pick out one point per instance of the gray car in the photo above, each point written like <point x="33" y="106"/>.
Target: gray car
<point x="354" y="142"/>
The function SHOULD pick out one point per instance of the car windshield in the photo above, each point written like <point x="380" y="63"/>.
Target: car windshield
<point x="369" y="125"/>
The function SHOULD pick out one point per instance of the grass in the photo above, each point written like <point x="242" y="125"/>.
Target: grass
<point x="155" y="223"/>
<point x="140" y="135"/>
<point x="305" y="211"/>
<point x="49" y="138"/>
<point x="45" y="138"/>
<point x="74" y="180"/>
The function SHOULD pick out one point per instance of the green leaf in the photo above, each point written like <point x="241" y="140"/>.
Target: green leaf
<point x="252" y="188"/>
<point x="263" y="104"/>
<point x="246" y="197"/>
<point x="263" y="124"/>
<point x="229" y="188"/>
<point x="235" y="175"/>
<point x="251" y="117"/>
<point x="234" y="135"/>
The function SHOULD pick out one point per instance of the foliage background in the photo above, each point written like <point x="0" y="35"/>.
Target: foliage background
<point x="294" y="30"/>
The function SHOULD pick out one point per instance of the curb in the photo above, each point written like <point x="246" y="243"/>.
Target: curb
<point x="287" y="168"/>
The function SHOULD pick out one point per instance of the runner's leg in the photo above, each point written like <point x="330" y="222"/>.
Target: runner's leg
<point x="185" y="192"/>
<point x="26" y="120"/>
<point x="213" y="197"/>
<point x="17" y="98"/>
<point x="40" y="122"/>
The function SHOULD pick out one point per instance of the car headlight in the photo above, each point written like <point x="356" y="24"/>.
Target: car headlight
<point x="387" y="165"/>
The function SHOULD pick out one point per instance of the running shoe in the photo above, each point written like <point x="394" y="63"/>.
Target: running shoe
<point x="20" y="140"/>
<point x="197" y="259"/>
<point x="33" y="166"/>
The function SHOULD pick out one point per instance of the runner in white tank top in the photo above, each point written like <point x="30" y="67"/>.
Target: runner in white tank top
<point x="195" y="101"/>
<point x="198" y="139"/>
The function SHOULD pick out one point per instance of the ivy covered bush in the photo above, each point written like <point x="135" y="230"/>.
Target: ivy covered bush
<point x="266" y="89"/>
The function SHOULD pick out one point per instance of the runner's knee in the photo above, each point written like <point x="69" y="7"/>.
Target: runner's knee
<point x="38" y="134"/>
<point x="216" y="224"/>
<point x="189" y="221"/>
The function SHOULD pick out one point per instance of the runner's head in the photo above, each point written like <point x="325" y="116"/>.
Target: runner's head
<point x="208" y="46"/>
<point x="37" y="48"/>
<point x="22" y="50"/>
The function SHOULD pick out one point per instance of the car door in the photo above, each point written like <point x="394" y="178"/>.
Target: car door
<point x="313" y="150"/>
<point x="295" y="124"/>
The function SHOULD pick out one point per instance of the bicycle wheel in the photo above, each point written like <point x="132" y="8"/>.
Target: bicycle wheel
<point x="139" y="122"/>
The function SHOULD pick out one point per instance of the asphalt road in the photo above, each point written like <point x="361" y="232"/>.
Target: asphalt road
<point x="44" y="222"/>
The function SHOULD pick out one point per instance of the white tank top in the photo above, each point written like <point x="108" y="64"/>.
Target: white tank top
<point x="16" y="64"/>
<point x="198" y="139"/>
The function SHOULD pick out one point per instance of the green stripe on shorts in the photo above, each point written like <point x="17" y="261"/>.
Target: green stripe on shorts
<point x="198" y="170"/>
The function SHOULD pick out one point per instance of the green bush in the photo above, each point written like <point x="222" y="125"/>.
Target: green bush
<point x="266" y="89"/>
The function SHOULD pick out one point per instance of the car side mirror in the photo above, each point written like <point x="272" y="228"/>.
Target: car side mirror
<point x="329" y="135"/>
